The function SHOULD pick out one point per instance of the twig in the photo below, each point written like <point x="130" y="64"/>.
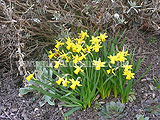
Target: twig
<point x="7" y="115"/>
<point x="3" y="117"/>
<point x="28" y="9"/>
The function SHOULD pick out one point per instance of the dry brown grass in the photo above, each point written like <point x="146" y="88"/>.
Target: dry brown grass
<point x="29" y="25"/>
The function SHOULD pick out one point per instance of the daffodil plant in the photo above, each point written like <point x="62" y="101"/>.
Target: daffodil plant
<point x="86" y="66"/>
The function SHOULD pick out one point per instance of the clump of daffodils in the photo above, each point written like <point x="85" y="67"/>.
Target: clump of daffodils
<point x="77" y="50"/>
<point x="121" y="57"/>
<point x="88" y="65"/>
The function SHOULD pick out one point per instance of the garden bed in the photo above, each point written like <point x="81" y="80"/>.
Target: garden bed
<point x="15" y="107"/>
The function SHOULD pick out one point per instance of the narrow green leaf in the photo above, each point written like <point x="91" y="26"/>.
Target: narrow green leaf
<point x="66" y="95"/>
<point x="121" y="35"/>
<point x="143" y="74"/>
<point x="122" y="43"/>
<point x="55" y="72"/>
<point x="71" y="111"/>
<point x="43" y="91"/>
<point x="157" y="83"/>
<point x="138" y="64"/>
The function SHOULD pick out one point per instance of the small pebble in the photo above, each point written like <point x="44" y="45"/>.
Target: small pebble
<point x="38" y="115"/>
<point x="148" y="79"/>
<point x="20" y="95"/>
<point x="143" y="80"/>
<point x="36" y="109"/>
<point x="12" y="114"/>
<point x="101" y="102"/>
<point x="153" y="95"/>
<point x="145" y="94"/>
<point x="14" y="109"/>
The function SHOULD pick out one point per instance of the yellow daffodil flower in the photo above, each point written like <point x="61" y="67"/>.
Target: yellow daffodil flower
<point x="76" y="59"/>
<point x="58" y="44"/>
<point x="125" y="72"/>
<point x="69" y="43"/>
<point x="129" y="75"/>
<point x="65" y="82"/>
<point x="83" y="34"/>
<point x="74" y="84"/>
<point x="64" y="55"/>
<point x="56" y="52"/>
<point x="95" y="40"/>
<point x="57" y="64"/>
<point x="84" y="50"/>
<point x="79" y="41"/>
<point x="74" y="47"/>
<point x="103" y="37"/>
<point x="87" y="49"/>
<point x="59" y="80"/>
<point x="51" y="55"/>
<point x="96" y="47"/>
<point x="127" y="67"/>
<point x="68" y="40"/>
<point x="113" y="59"/>
<point x="121" y="57"/>
<point x="29" y="77"/>
<point x="69" y="46"/>
<point x="98" y="64"/>
<point x="78" y="69"/>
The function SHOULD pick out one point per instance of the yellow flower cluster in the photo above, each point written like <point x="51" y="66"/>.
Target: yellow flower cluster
<point x="97" y="41"/>
<point x="127" y="72"/>
<point x="65" y="82"/>
<point x="55" y="54"/>
<point x="75" y="50"/>
<point x="121" y="56"/>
